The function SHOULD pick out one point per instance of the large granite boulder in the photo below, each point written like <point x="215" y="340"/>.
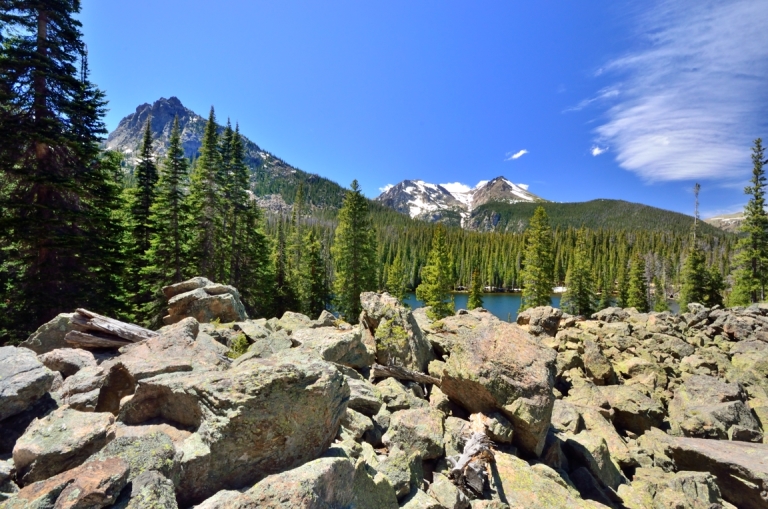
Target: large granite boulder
<point x="203" y="300"/>
<point x="398" y="338"/>
<point x="633" y="410"/>
<point x="50" y="336"/>
<point x="707" y="407"/>
<point x="62" y="440"/>
<point x="23" y="380"/>
<point x="540" y="320"/>
<point x="494" y="365"/>
<point x="262" y="417"/>
<point x="652" y="487"/>
<point x="150" y="489"/>
<point x="343" y="347"/>
<point x="740" y="469"/>
<point x="419" y="429"/>
<point x="68" y="361"/>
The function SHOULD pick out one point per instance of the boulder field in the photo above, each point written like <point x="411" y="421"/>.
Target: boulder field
<point x="619" y="410"/>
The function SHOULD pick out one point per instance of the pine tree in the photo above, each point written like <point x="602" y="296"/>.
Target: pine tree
<point x="623" y="283"/>
<point x="579" y="298"/>
<point x="206" y="204"/>
<point x="606" y="298"/>
<point x="285" y="299"/>
<point x="637" y="292"/>
<point x="752" y="259"/>
<point x="475" y="299"/>
<point x="253" y="274"/>
<point x="354" y="254"/>
<point x="312" y="285"/>
<point x="435" y="286"/>
<point x="169" y="216"/>
<point x="659" y="296"/>
<point x="538" y="272"/>
<point x="397" y="279"/>
<point x="57" y="242"/>
<point x="694" y="278"/>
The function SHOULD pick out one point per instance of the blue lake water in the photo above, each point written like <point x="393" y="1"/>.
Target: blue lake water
<point x="504" y="305"/>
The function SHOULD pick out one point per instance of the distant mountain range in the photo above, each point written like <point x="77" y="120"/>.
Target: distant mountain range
<point x="451" y="203"/>
<point x="728" y="222"/>
<point x="495" y="205"/>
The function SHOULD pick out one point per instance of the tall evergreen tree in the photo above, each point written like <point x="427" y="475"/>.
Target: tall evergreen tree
<point x="312" y="285"/>
<point x="206" y="204"/>
<point x="436" y="280"/>
<point x="397" y="278"/>
<point x="55" y="224"/>
<point x="354" y="254"/>
<point x="694" y="278"/>
<point x="606" y="297"/>
<point x="285" y="299"/>
<point x="539" y="271"/>
<point x="659" y="295"/>
<point x="579" y="298"/>
<point x="475" y="299"/>
<point x="623" y="283"/>
<point x="253" y="273"/>
<point x="169" y="216"/>
<point x="752" y="259"/>
<point x="637" y="292"/>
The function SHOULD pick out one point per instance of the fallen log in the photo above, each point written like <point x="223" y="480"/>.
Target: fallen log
<point x="468" y="471"/>
<point x="85" y="340"/>
<point x="379" y="371"/>
<point x="87" y="321"/>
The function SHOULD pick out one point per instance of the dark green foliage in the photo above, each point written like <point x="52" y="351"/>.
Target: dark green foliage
<point x="579" y="299"/>
<point x="56" y="190"/>
<point x="751" y="262"/>
<point x="538" y="275"/>
<point x="436" y="279"/>
<point x="397" y="278"/>
<point x="312" y="284"/>
<point x="252" y="273"/>
<point x="475" y="299"/>
<point x="695" y="277"/>
<point x="285" y="298"/>
<point x="206" y="205"/>
<point x="637" y="292"/>
<point x="354" y="254"/>
<point x="659" y="296"/>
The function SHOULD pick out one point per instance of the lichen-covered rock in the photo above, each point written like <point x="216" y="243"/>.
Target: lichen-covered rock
<point x="592" y="451"/>
<point x="494" y="425"/>
<point x="68" y="361"/>
<point x="150" y="489"/>
<point x="356" y="424"/>
<point x="364" y="397"/>
<point x="62" y="440"/>
<point x="597" y="366"/>
<point x="652" y="487"/>
<point x="633" y="410"/>
<point x="540" y="320"/>
<point x="50" y="335"/>
<point x="203" y="300"/>
<point x="291" y="322"/>
<point x="259" y="418"/>
<point x="706" y="407"/>
<point x="399" y="339"/>
<point x="419" y="429"/>
<point x="403" y="470"/>
<point x="23" y="380"/>
<point x="92" y="485"/>
<point x="420" y="500"/>
<point x="447" y="494"/>
<point x="494" y="365"/>
<point x="150" y="452"/>
<point x="343" y="347"/>
<point x="397" y="397"/>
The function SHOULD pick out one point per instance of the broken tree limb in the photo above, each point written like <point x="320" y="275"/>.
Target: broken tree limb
<point x="468" y="471"/>
<point x="379" y="371"/>
<point x="86" y="321"/>
<point x="85" y="340"/>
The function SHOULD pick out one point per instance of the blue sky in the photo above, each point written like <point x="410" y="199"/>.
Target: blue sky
<point x="599" y="99"/>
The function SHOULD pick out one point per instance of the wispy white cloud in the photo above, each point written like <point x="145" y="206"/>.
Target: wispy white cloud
<point x="596" y="151"/>
<point x="602" y="95"/>
<point x="517" y="155"/>
<point x="694" y="98"/>
<point x="524" y="186"/>
<point x="386" y="188"/>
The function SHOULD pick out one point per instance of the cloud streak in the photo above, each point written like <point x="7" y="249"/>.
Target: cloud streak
<point x="386" y="188"/>
<point x="516" y="155"/>
<point x="691" y="101"/>
<point x="596" y="151"/>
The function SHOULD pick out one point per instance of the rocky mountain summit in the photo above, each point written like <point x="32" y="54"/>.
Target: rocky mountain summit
<point x="451" y="203"/>
<point x="625" y="409"/>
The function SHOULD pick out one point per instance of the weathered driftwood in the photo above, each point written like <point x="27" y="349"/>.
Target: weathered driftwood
<point x="379" y="371"/>
<point x="468" y="471"/>
<point x="87" y="321"/>
<point x="89" y="340"/>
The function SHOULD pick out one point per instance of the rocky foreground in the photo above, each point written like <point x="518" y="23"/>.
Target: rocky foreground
<point x="622" y="410"/>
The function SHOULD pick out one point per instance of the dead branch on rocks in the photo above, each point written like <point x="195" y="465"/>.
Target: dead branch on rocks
<point x="96" y="331"/>
<point x="379" y="371"/>
<point x="468" y="471"/>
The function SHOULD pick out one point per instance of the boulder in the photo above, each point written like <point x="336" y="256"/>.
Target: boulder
<point x="420" y="500"/>
<point x="597" y="366"/>
<point x="447" y="494"/>
<point x="706" y="407"/>
<point x="23" y="379"/>
<point x="652" y="487"/>
<point x="398" y="338"/>
<point x="633" y="410"/>
<point x="592" y="451"/>
<point x="343" y="347"/>
<point x="356" y="424"/>
<point x="495" y="365"/>
<point x="291" y="322"/>
<point x="611" y="315"/>
<point x="92" y="485"/>
<point x="364" y="397"/>
<point x="150" y="489"/>
<point x="494" y="425"/>
<point x="62" y="440"/>
<point x="153" y="451"/>
<point x="419" y="429"/>
<point x="203" y="300"/>
<point x="741" y="469"/>
<point x="81" y="390"/>
<point x="68" y="361"/>
<point x="403" y="470"/>
<point x="50" y="336"/>
<point x="540" y="320"/>
<point x="396" y="396"/>
<point x="264" y="416"/>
